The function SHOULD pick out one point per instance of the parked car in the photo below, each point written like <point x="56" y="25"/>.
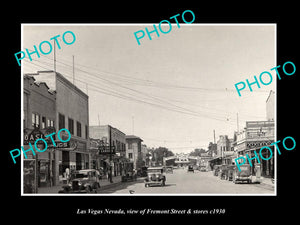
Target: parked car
<point x="216" y="169"/>
<point x="230" y="170"/>
<point x="82" y="181"/>
<point x="223" y="171"/>
<point x="243" y="175"/>
<point x="203" y="169"/>
<point x="155" y="176"/>
<point x="169" y="169"/>
<point x="190" y="168"/>
<point x="129" y="173"/>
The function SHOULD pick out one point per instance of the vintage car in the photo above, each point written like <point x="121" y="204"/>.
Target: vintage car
<point x="243" y="175"/>
<point x="223" y="171"/>
<point x="190" y="168"/>
<point x="203" y="169"/>
<point x="82" y="181"/>
<point x="129" y="173"/>
<point x="142" y="171"/>
<point x="230" y="170"/>
<point x="155" y="176"/>
<point x="169" y="169"/>
<point x="216" y="169"/>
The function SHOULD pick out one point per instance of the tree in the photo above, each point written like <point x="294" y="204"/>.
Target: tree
<point x="160" y="153"/>
<point x="197" y="152"/>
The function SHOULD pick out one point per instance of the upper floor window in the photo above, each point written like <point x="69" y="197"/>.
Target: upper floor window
<point x="61" y="121"/>
<point x="35" y="120"/>
<point x="78" y="125"/>
<point x="71" y="125"/>
<point x="43" y="122"/>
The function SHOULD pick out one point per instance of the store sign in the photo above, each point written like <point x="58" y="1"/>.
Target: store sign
<point x="106" y="150"/>
<point x="258" y="144"/>
<point x="33" y="136"/>
<point x="60" y="144"/>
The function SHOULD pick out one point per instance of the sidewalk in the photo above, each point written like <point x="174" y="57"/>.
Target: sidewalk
<point x="104" y="184"/>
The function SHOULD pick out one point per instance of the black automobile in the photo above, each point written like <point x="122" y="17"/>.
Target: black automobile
<point x="82" y="181"/>
<point x="190" y="168"/>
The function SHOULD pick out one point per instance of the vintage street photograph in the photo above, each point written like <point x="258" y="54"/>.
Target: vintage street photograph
<point x="158" y="116"/>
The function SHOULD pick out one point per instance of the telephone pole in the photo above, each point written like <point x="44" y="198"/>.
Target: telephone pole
<point x="214" y="137"/>
<point x="237" y="121"/>
<point x="110" y="157"/>
<point x="73" y="71"/>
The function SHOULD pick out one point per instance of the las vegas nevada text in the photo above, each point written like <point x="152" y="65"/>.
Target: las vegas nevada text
<point x="172" y="108"/>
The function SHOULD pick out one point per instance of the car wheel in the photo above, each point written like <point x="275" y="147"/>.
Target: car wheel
<point x="146" y="185"/>
<point x="88" y="189"/>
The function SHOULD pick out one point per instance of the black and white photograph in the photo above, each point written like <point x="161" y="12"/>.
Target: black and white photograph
<point x="149" y="113"/>
<point x="175" y="115"/>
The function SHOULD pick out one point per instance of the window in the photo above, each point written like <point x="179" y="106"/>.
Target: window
<point x="50" y="123"/>
<point x="130" y="155"/>
<point x="61" y="121"/>
<point x="78" y="129"/>
<point x="86" y="132"/>
<point x="43" y="122"/>
<point x="71" y="125"/>
<point x="129" y="145"/>
<point x="35" y="120"/>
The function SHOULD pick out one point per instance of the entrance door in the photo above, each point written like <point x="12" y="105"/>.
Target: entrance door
<point x="65" y="160"/>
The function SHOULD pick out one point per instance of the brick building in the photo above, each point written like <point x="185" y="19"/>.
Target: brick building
<point x="39" y="116"/>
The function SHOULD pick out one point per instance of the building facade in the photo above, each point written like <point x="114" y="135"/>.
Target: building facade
<point x="108" y="136"/>
<point x="134" y="150"/>
<point x="255" y="135"/>
<point x="39" y="116"/>
<point x="72" y="112"/>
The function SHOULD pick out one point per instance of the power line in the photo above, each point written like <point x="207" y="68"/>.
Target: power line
<point x="179" y="109"/>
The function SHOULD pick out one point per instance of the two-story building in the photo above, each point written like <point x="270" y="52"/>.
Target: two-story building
<point x="39" y="116"/>
<point x="134" y="149"/>
<point x="72" y="112"/>
<point x="109" y="136"/>
<point x="255" y="135"/>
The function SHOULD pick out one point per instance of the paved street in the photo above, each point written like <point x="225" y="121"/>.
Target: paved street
<point x="183" y="182"/>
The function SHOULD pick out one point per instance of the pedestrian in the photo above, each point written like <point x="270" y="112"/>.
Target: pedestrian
<point x="67" y="174"/>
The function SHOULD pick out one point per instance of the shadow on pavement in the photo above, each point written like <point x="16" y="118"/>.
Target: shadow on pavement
<point x="120" y="186"/>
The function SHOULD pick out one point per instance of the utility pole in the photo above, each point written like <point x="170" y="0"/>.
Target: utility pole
<point x="237" y="121"/>
<point x="110" y="156"/>
<point x="214" y="137"/>
<point x="73" y="71"/>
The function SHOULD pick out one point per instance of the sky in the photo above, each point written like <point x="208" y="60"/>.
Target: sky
<point x="172" y="91"/>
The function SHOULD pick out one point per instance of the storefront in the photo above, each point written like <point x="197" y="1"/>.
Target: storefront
<point x="215" y="161"/>
<point x="266" y="166"/>
<point x="75" y="157"/>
